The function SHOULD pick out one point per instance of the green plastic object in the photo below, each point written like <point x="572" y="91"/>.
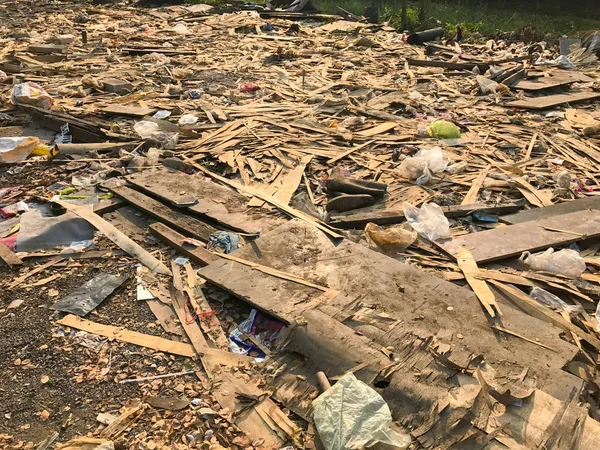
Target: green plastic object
<point x="442" y="129"/>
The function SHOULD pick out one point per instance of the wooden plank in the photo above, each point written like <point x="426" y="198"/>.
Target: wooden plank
<point x="550" y="101"/>
<point x="292" y="180"/>
<point x="133" y="111"/>
<point x="111" y="232"/>
<point x="544" y="313"/>
<point x="106" y="206"/>
<point x="190" y="326"/>
<point x="483" y="67"/>
<point x="8" y="256"/>
<point x="182" y="222"/>
<point x="513" y="240"/>
<point x="221" y="204"/>
<point x="381" y="128"/>
<point x="482" y="290"/>
<point x="132" y="337"/>
<point x="579" y="204"/>
<point x="149" y="341"/>
<point x="533" y="195"/>
<point x="175" y="240"/>
<point x="359" y="221"/>
<point x="473" y="193"/>
<point x="538" y="85"/>
<point x="349" y="152"/>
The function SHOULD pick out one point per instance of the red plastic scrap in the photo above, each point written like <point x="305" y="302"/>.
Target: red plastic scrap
<point x="249" y="87"/>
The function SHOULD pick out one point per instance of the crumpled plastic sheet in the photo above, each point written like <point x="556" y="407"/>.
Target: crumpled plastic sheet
<point x="429" y="221"/>
<point x="565" y="262"/>
<point x="238" y="345"/>
<point x="351" y="415"/>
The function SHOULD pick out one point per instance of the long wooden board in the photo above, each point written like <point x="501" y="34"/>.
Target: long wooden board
<point x="112" y="233"/>
<point x="153" y="342"/>
<point x="513" y="240"/>
<point x="175" y="240"/>
<point x="182" y="222"/>
<point x="552" y="100"/>
<point x="397" y="215"/>
<point x="579" y="204"/>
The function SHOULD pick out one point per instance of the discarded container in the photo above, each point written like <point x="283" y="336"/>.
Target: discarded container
<point x="429" y="221"/>
<point x="31" y="94"/>
<point x="552" y="301"/>
<point x="425" y="36"/>
<point x="16" y="149"/>
<point x="565" y="262"/>
<point x="352" y="415"/>
<point x="442" y="129"/>
<point x="391" y="240"/>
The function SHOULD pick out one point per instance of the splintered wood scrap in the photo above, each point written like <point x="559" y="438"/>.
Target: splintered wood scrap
<point x="530" y="147"/>
<point x="38" y="269"/>
<point x="10" y="258"/>
<point x="543" y="312"/>
<point x="473" y="193"/>
<point x="485" y="295"/>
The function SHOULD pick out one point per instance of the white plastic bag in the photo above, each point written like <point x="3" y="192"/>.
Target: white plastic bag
<point x="565" y="262"/>
<point x="351" y="415"/>
<point x="552" y="301"/>
<point x="437" y="161"/>
<point x="31" y="94"/>
<point x="429" y="221"/>
<point x="16" y="149"/>
<point x="188" y="119"/>
<point x="146" y="129"/>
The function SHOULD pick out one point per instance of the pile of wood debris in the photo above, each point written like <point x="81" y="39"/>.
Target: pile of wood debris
<point x="231" y="150"/>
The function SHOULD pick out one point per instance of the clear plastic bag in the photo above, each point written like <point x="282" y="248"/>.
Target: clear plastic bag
<point x="437" y="161"/>
<point x="552" y="301"/>
<point x="391" y="240"/>
<point x="429" y="221"/>
<point x="351" y="415"/>
<point x="565" y="262"/>
<point x="412" y="168"/>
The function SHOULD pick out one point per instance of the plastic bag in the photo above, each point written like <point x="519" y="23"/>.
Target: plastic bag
<point x="146" y="129"/>
<point x="188" y="119"/>
<point x="552" y="301"/>
<point x="31" y="94"/>
<point x="16" y="149"/>
<point x="486" y="86"/>
<point x="565" y="262"/>
<point x="181" y="28"/>
<point x="412" y="168"/>
<point x="458" y="167"/>
<point x="391" y="240"/>
<point x="429" y="221"/>
<point x="437" y="161"/>
<point x="442" y="129"/>
<point x="351" y="415"/>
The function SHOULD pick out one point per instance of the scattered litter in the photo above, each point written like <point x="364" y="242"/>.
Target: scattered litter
<point x="565" y="262"/>
<point x="391" y="240"/>
<point x="352" y="415"/>
<point x="224" y="241"/>
<point x="429" y="220"/>
<point x="554" y="302"/>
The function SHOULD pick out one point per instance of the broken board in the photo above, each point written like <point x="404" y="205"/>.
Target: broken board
<point x="513" y="240"/>
<point x="579" y="204"/>
<point x="550" y="101"/>
<point x="218" y="203"/>
<point x="421" y="300"/>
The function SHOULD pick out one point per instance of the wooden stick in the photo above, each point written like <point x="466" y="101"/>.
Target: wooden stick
<point x="471" y="196"/>
<point x="512" y="333"/>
